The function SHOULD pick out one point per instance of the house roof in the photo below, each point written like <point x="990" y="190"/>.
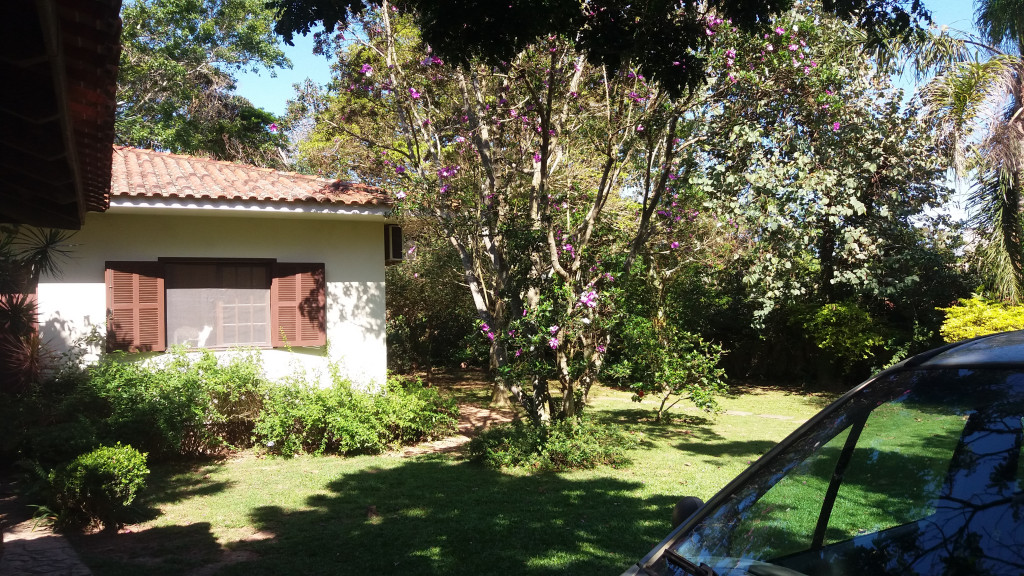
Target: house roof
<point x="58" y="59"/>
<point x="144" y="174"/>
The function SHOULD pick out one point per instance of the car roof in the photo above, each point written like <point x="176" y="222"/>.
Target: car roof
<point x="1003" y="349"/>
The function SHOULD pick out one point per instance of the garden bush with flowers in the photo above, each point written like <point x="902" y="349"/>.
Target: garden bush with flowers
<point x="556" y="181"/>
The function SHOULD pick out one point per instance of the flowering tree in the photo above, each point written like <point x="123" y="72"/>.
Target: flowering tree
<point x="553" y="177"/>
<point x="549" y="176"/>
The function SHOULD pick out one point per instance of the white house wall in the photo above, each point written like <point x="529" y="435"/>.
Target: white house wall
<point x="351" y="250"/>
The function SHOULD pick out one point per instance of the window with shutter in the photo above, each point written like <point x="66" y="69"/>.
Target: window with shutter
<point x="298" y="297"/>
<point x="135" y="306"/>
<point x="214" y="304"/>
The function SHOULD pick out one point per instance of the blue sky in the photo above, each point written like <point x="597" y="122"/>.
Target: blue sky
<point x="271" y="93"/>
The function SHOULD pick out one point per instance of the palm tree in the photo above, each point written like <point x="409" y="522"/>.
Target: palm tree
<point x="975" y="103"/>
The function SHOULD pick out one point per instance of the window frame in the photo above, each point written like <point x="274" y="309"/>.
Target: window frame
<point x="136" y="311"/>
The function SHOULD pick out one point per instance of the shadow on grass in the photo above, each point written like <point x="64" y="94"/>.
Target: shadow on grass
<point x="750" y="449"/>
<point x="642" y="419"/>
<point x="176" y="482"/>
<point x="437" y="516"/>
<point x="161" y="551"/>
<point x="817" y="396"/>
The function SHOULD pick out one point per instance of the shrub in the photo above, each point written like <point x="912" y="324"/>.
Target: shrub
<point x="978" y="317"/>
<point x="97" y="487"/>
<point x="189" y="405"/>
<point x="410" y="412"/>
<point x="566" y="445"/>
<point x="298" y="417"/>
<point x="844" y="331"/>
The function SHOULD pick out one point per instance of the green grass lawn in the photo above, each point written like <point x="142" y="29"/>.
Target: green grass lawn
<point x="440" y="514"/>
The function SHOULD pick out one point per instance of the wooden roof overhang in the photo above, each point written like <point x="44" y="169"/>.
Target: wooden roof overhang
<point x="58" y="72"/>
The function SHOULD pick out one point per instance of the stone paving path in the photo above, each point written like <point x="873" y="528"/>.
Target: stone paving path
<point x="29" y="549"/>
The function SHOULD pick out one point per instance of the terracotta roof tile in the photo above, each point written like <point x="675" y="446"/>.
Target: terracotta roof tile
<point x="139" y="173"/>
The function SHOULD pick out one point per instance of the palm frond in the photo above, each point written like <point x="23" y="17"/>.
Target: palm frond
<point x="44" y="250"/>
<point x="1002" y="22"/>
<point x="965" y="102"/>
<point x="994" y="205"/>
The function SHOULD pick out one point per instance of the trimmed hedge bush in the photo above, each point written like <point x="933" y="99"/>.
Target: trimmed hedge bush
<point x="565" y="445"/>
<point x="299" y="417"/>
<point x="978" y="317"/>
<point x="97" y="487"/>
<point x="191" y="405"/>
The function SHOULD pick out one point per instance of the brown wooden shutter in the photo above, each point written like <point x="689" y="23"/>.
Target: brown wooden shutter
<point x="135" y="306"/>
<point x="298" y="305"/>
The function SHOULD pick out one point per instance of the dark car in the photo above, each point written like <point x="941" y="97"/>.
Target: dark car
<point x="917" y="471"/>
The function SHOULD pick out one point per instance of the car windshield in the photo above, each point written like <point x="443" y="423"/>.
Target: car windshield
<point x="918" y="473"/>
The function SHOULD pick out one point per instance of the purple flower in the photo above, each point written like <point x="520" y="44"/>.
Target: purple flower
<point x="400" y="195"/>
<point x="730" y="53"/>
<point x="484" y="327"/>
<point x="460" y="139"/>
<point x="553" y="343"/>
<point x="769" y="47"/>
<point x="400" y="169"/>
<point x="553" y="329"/>
<point x="780" y="30"/>
<point x="519" y="352"/>
<point x="675" y="245"/>
<point x="366" y="70"/>
<point x="414" y="93"/>
<point x="835" y="126"/>
<point x="273" y="128"/>
<point x="536" y="157"/>
<point x="589" y="299"/>
<point x="601" y="348"/>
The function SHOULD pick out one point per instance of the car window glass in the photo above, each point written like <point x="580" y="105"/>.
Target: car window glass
<point x="921" y="473"/>
<point x="897" y="470"/>
<point x="782" y="521"/>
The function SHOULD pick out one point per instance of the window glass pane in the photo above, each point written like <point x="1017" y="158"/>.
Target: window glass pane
<point x="782" y="521"/>
<point x="896" y="472"/>
<point x="927" y="475"/>
<point x="218" y="304"/>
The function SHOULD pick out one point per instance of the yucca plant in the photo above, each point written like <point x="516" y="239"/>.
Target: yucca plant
<point x="25" y="255"/>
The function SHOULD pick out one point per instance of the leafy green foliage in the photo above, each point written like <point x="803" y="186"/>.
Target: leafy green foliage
<point x="661" y="361"/>
<point x="302" y="418"/>
<point x="976" y="316"/>
<point x="97" y="487"/>
<point x="973" y="102"/>
<point x="190" y="405"/>
<point x="25" y="255"/>
<point x="570" y="444"/>
<point x="193" y="405"/>
<point x="175" y="83"/>
<point x="430" y="316"/>
<point x="844" y="331"/>
<point x="665" y="37"/>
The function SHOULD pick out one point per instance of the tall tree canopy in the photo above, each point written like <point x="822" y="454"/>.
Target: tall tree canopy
<point x="176" y="84"/>
<point x="557" y="180"/>
<point x="663" y="39"/>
